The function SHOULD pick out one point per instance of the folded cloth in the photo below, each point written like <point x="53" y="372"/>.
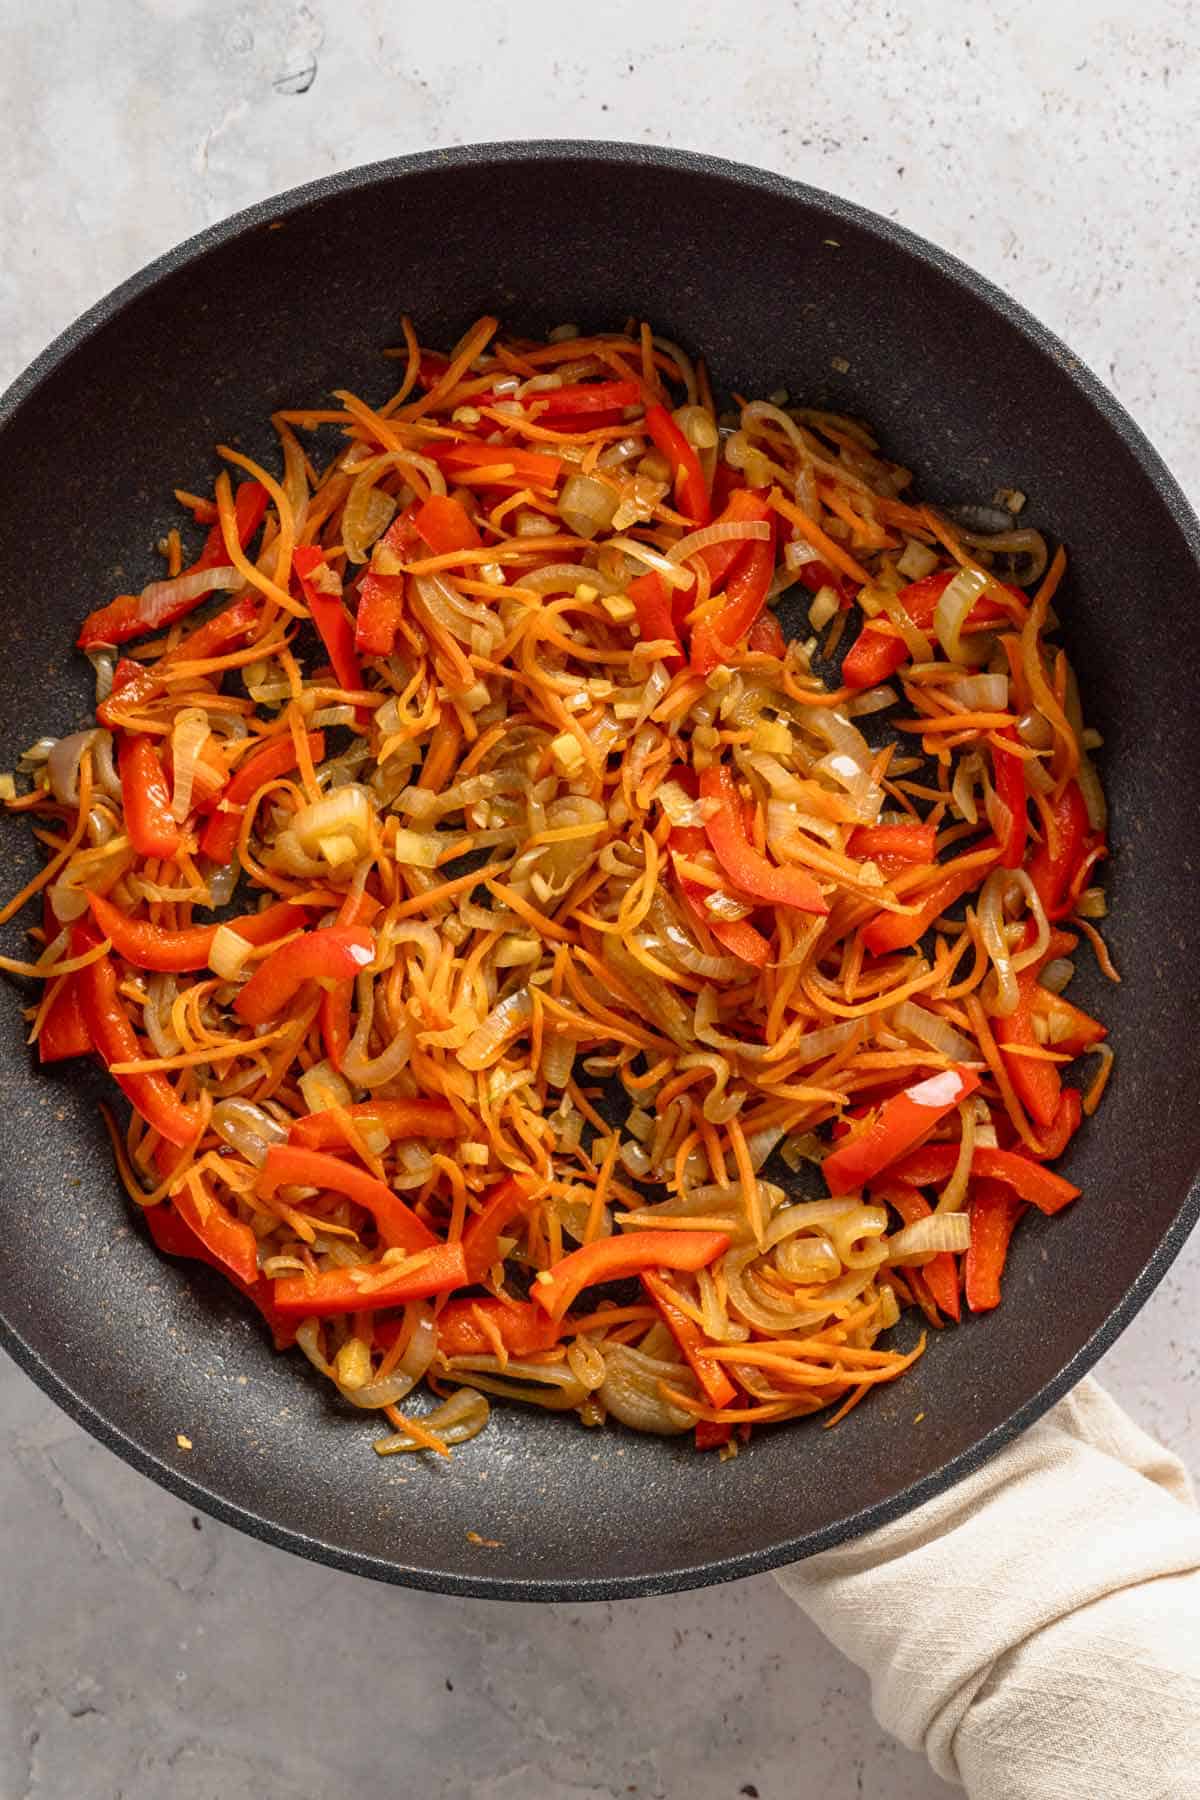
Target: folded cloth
<point x="1035" y="1630"/>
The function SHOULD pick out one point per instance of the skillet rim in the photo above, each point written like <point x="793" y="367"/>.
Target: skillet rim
<point x="947" y="1474"/>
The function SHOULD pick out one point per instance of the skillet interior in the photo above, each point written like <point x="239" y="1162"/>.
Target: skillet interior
<point x="773" y="281"/>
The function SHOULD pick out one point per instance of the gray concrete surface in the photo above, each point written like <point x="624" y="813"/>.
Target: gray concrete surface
<point x="149" y="1653"/>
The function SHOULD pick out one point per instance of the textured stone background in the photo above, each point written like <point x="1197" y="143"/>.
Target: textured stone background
<point x="147" y="1652"/>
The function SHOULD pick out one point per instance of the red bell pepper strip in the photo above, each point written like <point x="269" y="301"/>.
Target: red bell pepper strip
<point x="941" y="1271"/>
<point x="611" y="1259"/>
<point x="218" y="634"/>
<point x="744" y="865"/>
<point x="446" y="525"/>
<point x="721" y="560"/>
<point x="64" y="1030"/>
<point x="112" y="1033"/>
<point x="995" y="1209"/>
<point x="329" y="616"/>
<point x="249" y="507"/>
<point x="480" y="1240"/>
<point x="399" y="1118"/>
<point x="291" y="1165"/>
<point x="402" y="537"/>
<point x="899" y="1124"/>
<point x="334" y="954"/>
<point x="1008" y="774"/>
<point x="380" y="610"/>
<point x="897" y="931"/>
<point x="219" y="837"/>
<point x="711" y="1435"/>
<point x="687" y="477"/>
<point x="523" y="1328"/>
<point x="715" y="639"/>
<point x="879" y="652"/>
<point x="175" y="1237"/>
<point x="1062" y="1128"/>
<point x="134" y="615"/>
<point x="920" y="599"/>
<point x="1052" y="865"/>
<point x="1068" y="1028"/>
<point x="149" y="946"/>
<point x="337" y="1291"/>
<point x="715" y="1384"/>
<point x="934" y="1163"/>
<point x="531" y="468"/>
<point x="1036" y="1081"/>
<point x="655" y="617"/>
<point x="133" y="684"/>
<point x="577" y="398"/>
<point x="915" y="844"/>
<point x="230" y="1242"/>
<point x="334" y="1016"/>
<point x="873" y="657"/>
<point x="815" y="575"/>
<point x="146" y="799"/>
<point x="766" y="636"/>
<point x="738" y="936"/>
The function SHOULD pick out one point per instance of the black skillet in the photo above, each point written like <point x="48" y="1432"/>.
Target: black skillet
<point x="779" y="285"/>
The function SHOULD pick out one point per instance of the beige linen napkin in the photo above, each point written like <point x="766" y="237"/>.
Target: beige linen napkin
<point x="1036" y="1630"/>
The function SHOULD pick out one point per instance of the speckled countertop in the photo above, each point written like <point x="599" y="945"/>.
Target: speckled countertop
<point x="147" y="1652"/>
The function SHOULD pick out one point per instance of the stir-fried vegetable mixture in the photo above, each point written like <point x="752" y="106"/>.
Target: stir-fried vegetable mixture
<point x="475" y="896"/>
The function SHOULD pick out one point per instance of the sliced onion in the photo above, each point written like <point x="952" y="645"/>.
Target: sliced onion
<point x="418" y="849"/>
<point x="247" y="1129"/>
<point x="357" y="1066"/>
<point x="183" y="588"/>
<point x="929" y="1029"/>
<point x="815" y="1046"/>
<point x="346" y="812"/>
<point x="962" y="790"/>
<point x="654" y="559"/>
<point x="104" y="766"/>
<point x="798" y="553"/>
<point x="161" y="994"/>
<point x="366" y="515"/>
<point x="457" y="615"/>
<point x="982" y="693"/>
<point x="915" y="640"/>
<point x="102" y="662"/>
<point x="460" y="1418"/>
<point x="228" y="952"/>
<point x="808" y="1261"/>
<point x="188" y="737"/>
<point x="1056" y="975"/>
<point x="679" y="946"/>
<point x="564" y="578"/>
<point x="587" y="505"/>
<point x="62" y="764"/>
<point x="1093" y="794"/>
<point x="221" y="882"/>
<point x="322" y="1087"/>
<point x="730" y="532"/>
<point x="917" y="561"/>
<point x="871" y="700"/>
<point x="1034" y="729"/>
<point x="952" y="611"/>
<point x="558" y="1059"/>
<point x="930" y="1236"/>
<point x="506" y="1021"/>
<point x="630" y="1391"/>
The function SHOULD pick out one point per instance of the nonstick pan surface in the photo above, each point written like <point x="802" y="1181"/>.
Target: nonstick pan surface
<point x="779" y="285"/>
